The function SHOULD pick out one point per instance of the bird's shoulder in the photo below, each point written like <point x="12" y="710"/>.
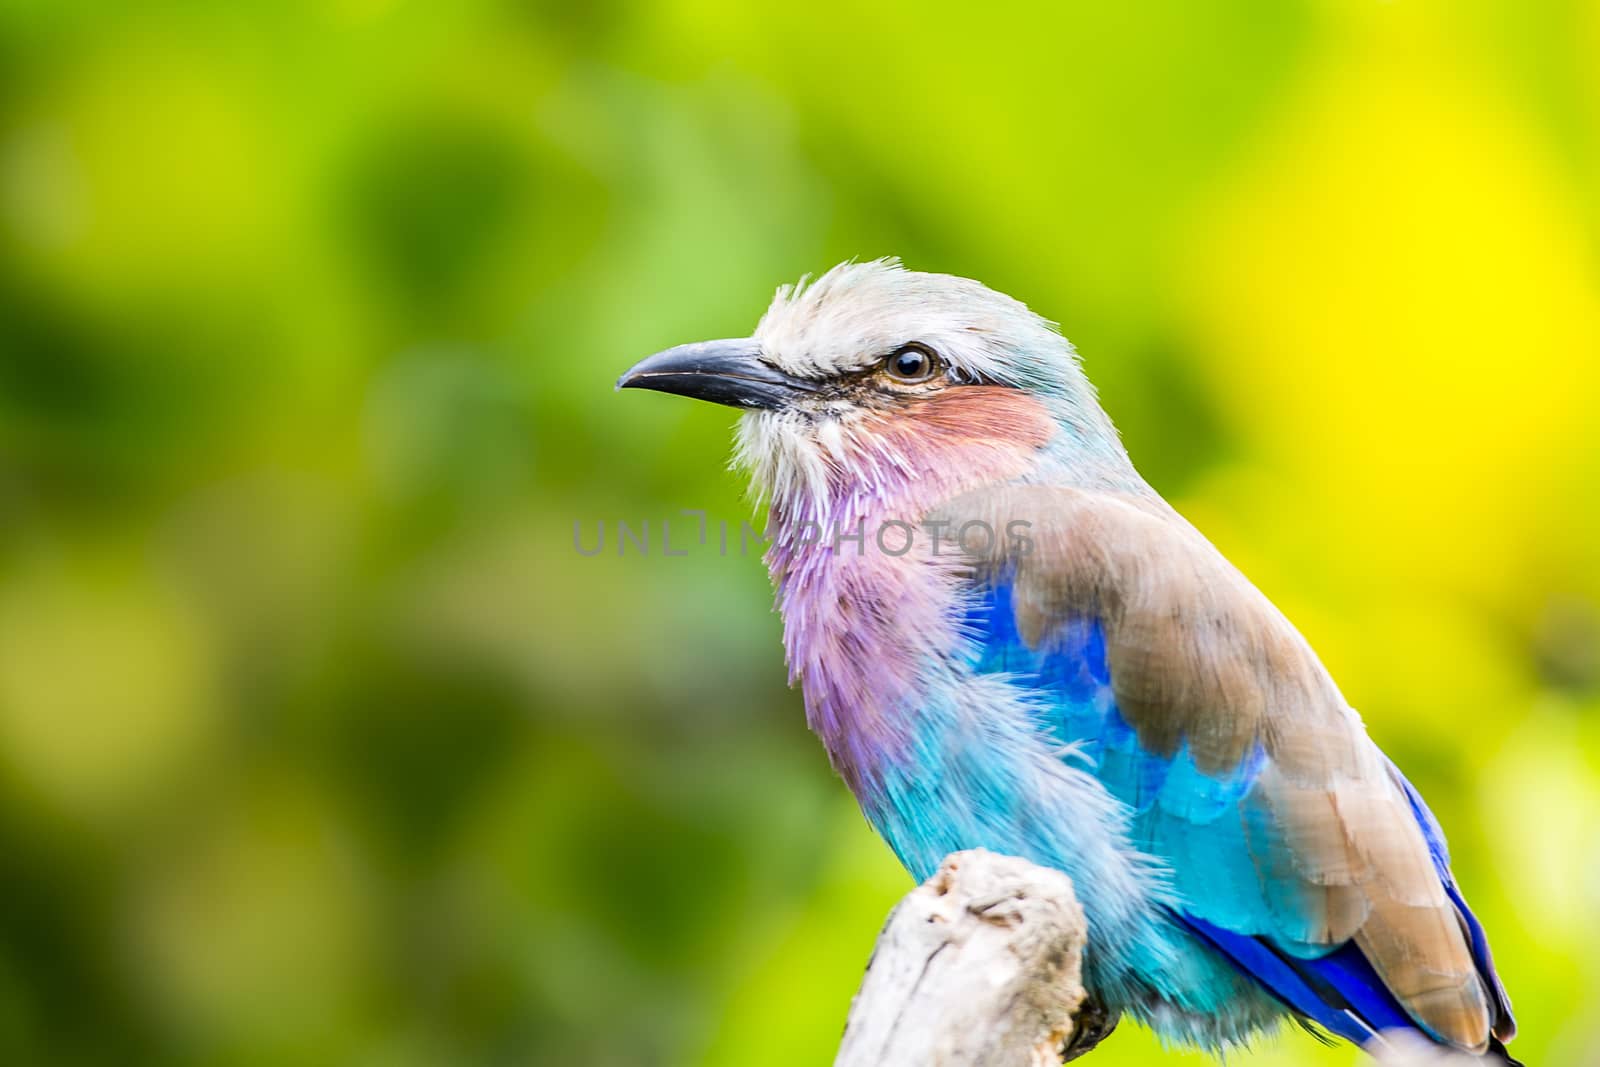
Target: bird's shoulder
<point x="1195" y="651"/>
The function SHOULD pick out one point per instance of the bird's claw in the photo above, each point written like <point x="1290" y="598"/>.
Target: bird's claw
<point x="1091" y="1025"/>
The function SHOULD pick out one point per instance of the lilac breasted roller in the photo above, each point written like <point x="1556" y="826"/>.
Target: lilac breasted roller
<point x="1006" y="639"/>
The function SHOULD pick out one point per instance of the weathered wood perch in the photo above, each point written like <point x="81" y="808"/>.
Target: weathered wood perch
<point x="980" y="967"/>
<point x="976" y="967"/>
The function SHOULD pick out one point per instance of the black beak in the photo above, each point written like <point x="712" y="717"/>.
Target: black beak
<point x="723" y="372"/>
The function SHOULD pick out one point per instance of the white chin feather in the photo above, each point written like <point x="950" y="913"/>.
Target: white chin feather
<point x="786" y="461"/>
<point x="801" y="462"/>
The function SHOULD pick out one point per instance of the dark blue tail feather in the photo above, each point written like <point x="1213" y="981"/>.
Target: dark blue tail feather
<point x="1340" y="992"/>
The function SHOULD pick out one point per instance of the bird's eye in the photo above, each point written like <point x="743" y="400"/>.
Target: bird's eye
<point x="911" y="364"/>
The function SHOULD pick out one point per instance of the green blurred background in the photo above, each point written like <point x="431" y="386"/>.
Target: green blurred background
<point x="320" y="743"/>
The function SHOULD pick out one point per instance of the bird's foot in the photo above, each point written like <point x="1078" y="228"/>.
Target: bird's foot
<point x="1092" y="1025"/>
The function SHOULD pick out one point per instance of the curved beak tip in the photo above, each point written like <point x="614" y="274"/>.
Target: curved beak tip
<point x="631" y="378"/>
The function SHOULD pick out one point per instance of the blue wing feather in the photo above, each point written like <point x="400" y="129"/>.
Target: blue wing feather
<point x="1506" y="1023"/>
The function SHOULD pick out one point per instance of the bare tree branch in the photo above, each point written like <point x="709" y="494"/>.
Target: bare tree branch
<point x="979" y="967"/>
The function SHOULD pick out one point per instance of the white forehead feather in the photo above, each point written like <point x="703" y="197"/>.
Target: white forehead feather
<point x="857" y="313"/>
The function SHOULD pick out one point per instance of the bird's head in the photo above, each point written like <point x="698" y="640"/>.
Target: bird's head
<point x="873" y="377"/>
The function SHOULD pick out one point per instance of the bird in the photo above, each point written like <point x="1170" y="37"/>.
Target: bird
<point x="1006" y="639"/>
